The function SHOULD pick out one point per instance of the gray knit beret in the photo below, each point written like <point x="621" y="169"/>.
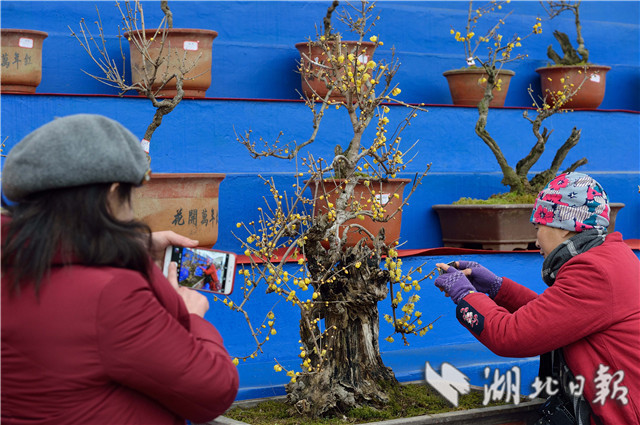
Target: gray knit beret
<point x="73" y="151"/>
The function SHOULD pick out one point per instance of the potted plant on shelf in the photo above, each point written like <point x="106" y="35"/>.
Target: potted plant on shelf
<point x="467" y="85"/>
<point x="21" y="68"/>
<point x="505" y="217"/>
<point x="316" y="74"/>
<point x="574" y="63"/>
<point x="174" y="47"/>
<point x="336" y="287"/>
<point x="186" y="203"/>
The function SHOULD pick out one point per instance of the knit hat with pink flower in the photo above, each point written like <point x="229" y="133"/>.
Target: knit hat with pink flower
<point x="572" y="201"/>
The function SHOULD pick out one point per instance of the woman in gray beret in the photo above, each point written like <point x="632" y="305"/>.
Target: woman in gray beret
<point x="92" y="332"/>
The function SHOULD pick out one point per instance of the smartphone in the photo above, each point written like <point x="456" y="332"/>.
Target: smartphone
<point x="202" y="269"/>
<point x="450" y="264"/>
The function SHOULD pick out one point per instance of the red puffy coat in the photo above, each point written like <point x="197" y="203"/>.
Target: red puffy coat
<point x="592" y="310"/>
<point x="103" y="345"/>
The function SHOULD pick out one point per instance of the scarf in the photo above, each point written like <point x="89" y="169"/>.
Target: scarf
<point x="578" y="244"/>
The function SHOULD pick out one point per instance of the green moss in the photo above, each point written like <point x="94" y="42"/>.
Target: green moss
<point x="405" y="401"/>
<point x="582" y="63"/>
<point x="501" y="198"/>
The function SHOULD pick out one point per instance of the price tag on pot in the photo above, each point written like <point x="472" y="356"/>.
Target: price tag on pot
<point x="27" y="43"/>
<point x="383" y="198"/>
<point x="363" y="58"/>
<point x="145" y="145"/>
<point x="470" y="61"/>
<point x="190" y="45"/>
<point x="595" y="78"/>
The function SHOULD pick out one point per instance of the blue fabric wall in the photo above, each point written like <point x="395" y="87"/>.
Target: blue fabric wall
<point x="254" y="55"/>
<point x="255" y="87"/>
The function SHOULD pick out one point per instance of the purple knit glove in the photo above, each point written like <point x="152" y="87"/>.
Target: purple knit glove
<point x="481" y="278"/>
<point x="455" y="284"/>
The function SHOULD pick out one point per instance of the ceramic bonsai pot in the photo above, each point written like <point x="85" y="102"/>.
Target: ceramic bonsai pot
<point x="22" y="72"/>
<point x="467" y="88"/>
<point x="313" y="60"/>
<point x="493" y="227"/>
<point x="190" y="44"/>
<point x="184" y="203"/>
<point x="590" y="95"/>
<point x="384" y="192"/>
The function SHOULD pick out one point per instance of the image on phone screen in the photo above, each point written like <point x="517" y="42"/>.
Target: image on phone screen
<point x="203" y="269"/>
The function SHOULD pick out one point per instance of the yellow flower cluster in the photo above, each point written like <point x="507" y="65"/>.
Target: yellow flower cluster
<point x="537" y="28"/>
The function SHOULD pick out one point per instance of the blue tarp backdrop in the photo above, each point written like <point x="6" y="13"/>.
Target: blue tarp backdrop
<point x="255" y="87"/>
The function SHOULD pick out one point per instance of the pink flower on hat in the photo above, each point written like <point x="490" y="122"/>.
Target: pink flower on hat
<point x="543" y="215"/>
<point x="582" y="227"/>
<point x="554" y="198"/>
<point x="559" y="182"/>
<point x="592" y="193"/>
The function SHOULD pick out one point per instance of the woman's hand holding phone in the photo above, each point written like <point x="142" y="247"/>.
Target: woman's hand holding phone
<point x="161" y="240"/>
<point x="196" y="302"/>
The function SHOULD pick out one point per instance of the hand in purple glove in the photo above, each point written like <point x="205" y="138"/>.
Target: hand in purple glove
<point x="453" y="282"/>
<point x="481" y="278"/>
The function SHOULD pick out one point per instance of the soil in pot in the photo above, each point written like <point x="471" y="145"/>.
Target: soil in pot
<point x="406" y="401"/>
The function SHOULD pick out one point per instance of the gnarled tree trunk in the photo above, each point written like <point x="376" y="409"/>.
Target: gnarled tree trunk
<point x="351" y="375"/>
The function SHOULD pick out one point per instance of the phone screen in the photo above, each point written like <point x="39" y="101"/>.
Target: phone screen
<point x="203" y="269"/>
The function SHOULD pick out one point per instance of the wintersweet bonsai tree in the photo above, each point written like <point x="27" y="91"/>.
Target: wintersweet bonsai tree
<point x="499" y="52"/>
<point x="303" y="258"/>
<point x="571" y="56"/>
<point x="155" y="72"/>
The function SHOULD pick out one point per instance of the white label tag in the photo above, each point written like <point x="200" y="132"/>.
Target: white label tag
<point x="363" y="58"/>
<point x="27" y="43"/>
<point x="595" y="78"/>
<point x="145" y="145"/>
<point x="471" y="62"/>
<point x="383" y="198"/>
<point x="190" y="45"/>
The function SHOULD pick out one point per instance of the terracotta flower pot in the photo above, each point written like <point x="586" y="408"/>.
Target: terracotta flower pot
<point x="313" y="61"/>
<point x="496" y="227"/>
<point x="21" y="70"/>
<point x="384" y="194"/>
<point x="190" y="44"/>
<point x="591" y="93"/>
<point x="184" y="203"/>
<point x="467" y="88"/>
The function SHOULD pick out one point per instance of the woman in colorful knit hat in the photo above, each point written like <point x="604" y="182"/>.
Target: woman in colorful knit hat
<point x="586" y="325"/>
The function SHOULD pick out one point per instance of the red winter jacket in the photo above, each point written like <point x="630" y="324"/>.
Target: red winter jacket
<point x="103" y="345"/>
<point x="592" y="311"/>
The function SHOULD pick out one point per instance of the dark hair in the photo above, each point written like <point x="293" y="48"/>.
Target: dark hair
<point x="72" y="225"/>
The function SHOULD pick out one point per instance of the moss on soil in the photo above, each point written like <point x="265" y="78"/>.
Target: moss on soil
<point x="501" y="198"/>
<point x="405" y="401"/>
